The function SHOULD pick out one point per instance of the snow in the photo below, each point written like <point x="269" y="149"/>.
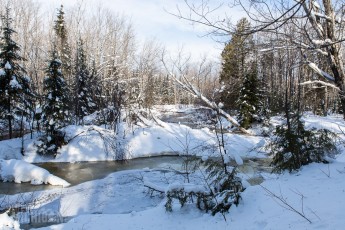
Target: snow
<point x="187" y="187"/>
<point x="149" y="184"/>
<point x="151" y="141"/>
<point x="316" y="5"/>
<point x="14" y="83"/>
<point x="86" y="143"/>
<point x="8" y="223"/>
<point x="322" y="203"/>
<point x="151" y="219"/>
<point x="21" y="171"/>
<point x="2" y="72"/>
<point x="123" y="199"/>
<point x="8" y="65"/>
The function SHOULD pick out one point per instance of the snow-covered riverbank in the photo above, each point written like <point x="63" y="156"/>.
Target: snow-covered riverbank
<point x="87" y="143"/>
<point x="122" y="200"/>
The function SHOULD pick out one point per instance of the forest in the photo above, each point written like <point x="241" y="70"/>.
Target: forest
<point x="178" y="136"/>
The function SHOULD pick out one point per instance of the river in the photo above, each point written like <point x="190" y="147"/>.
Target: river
<point x="79" y="172"/>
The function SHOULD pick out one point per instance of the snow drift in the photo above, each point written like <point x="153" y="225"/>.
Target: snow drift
<point x="21" y="171"/>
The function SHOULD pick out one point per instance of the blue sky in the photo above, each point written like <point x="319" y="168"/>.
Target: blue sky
<point x="151" y="20"/>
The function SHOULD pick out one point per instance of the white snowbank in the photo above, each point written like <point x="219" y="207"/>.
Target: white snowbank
<point x="154" y="140"/>
<point x="21" y="171"/>
<point x="8" y="223"/>
<point x="317" y="191"/>
<point x="88" y="145"/>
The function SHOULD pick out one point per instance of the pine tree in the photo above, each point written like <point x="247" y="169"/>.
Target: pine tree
<point x="234" y="64"/>
<point x="55" y="108"/>
<point x="15" y="94"/>
<point x="63" y="48"/>
<point x="248" y="100"/>
<point x="84" y="104"/>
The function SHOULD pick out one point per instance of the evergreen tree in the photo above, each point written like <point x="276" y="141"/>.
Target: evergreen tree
<point x="150" y="91"/>
<point x="15" y="93"/>
<point x="234" y="63"/>
<point x="84" y="104"/>
<point x="166" y="91"/>
<point x="293" y="146"/>
<point x="55" y="108"/>
<point x="248" y="100"/>
<point x="96" y="87"/>
<point x="63" y="48"/>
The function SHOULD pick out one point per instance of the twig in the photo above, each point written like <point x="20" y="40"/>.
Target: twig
<point x="285" y="204"/>
<point x="328" y="173"/>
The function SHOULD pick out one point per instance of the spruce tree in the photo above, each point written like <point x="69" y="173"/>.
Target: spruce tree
<point x="62" y="46"/>
<point x="234" y="63"/>
<point x="55" y="108"/>
<point x="248" y="100"/>
<point x="84" y="104"/>
<point x="15" y="93"/>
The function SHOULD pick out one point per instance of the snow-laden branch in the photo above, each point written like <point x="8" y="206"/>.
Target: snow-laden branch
<point x="320" y="82"/>
<point x="274" y="48"/>
<point x="305" y="46"/>
<point x="300" y="45"/>
<point x="319" y="71"/>
<point x="336" y="20"/>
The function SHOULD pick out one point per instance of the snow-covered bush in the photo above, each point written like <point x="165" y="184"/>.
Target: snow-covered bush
<point x="220" y="190"/>
<point x="293" y="146"/>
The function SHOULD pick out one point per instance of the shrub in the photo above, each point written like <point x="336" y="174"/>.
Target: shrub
<point x="294" y="146"/>
<point x="221" y="189"/>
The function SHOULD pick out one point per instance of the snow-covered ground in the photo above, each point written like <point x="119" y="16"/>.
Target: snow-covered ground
<point x="87" y="142"/>
<point x="121" y="200"/>
<point x="309" y="199"/>
<point x="8" y="223"/>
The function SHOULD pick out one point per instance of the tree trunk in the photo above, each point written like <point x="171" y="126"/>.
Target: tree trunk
<point x="9" y="122"/>
<point x="334" y="56"/>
